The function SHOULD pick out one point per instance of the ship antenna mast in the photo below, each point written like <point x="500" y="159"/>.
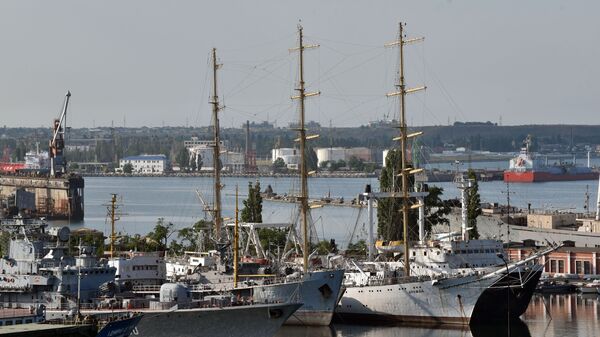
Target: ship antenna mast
<point x="302" y="94"/>
<point x="236" y="238"/>
<point x="216" y="150"/>
<point x="113" y="219"/>
<point x="402" y="91"/>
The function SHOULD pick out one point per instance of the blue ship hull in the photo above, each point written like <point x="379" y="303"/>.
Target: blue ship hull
<point x="120" y="328"/>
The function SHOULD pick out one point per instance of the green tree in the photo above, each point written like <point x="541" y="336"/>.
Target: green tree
<point x="190" y="236"/>
<point x="356" y="164"/>
<point x="436" y="209"/>
<point x="127" y="168"/>
<point x="311" y="159"/>
<point x="272" y="238"/>
<point x="279" y="165"/>
<point x="160" y="235"/>
<point x="473" y="205"/>
<point x="252" y="211"/>
<point x="325" y="247"/>
<point x="183" y="158"/>
<point x="357" y="249"/>
<point x="389" y="210"/>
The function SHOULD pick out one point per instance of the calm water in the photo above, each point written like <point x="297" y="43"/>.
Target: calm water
<point x="146" y="199"/>
<point x="548" y="316"/>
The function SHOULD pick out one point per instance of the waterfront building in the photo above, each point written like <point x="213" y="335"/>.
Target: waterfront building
<point x="148" y="164"/>
<point x="566" y="261"/>
<point x="290" y="156"/>
<point x="551" y="220"/>
<point x="335" y="154"/>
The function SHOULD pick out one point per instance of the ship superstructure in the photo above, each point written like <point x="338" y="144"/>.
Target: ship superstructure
<point x="38" y="268"/>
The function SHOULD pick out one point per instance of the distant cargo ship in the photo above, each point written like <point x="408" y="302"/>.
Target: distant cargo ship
<point x="525" y="168"/>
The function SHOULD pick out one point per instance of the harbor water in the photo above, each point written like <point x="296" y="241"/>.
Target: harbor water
<point x="145" y="199"/>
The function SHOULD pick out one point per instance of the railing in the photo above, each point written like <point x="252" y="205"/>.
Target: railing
<point x="220" y="286"/>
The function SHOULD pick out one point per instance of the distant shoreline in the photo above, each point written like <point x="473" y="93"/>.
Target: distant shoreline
<point x="234" y="175"/>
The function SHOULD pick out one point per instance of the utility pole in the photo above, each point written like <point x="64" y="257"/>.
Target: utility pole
<point x="216" y="150"/>
<point x="302" y="94"/>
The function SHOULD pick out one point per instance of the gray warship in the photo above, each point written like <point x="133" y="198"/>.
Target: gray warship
<point x="37" y="268"/>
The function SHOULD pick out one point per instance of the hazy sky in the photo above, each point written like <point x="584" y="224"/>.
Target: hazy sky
<point x="147" y="62"/>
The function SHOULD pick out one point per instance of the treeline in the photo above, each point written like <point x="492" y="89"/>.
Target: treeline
<point x="111" y="144"/>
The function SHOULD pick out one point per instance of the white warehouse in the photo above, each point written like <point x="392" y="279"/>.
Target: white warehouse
<point x="291" y="157"/>
<point x="146" y="163"/>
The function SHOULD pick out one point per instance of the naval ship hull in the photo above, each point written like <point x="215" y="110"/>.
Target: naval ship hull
<point x="320" y="292"/>
<point x="441" y="303"/>
<point x="499" y="302"/>
<point x="259" y="320"/>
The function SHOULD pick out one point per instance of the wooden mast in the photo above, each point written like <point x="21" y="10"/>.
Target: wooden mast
<point x="216" y="150"/>
<point x="302" y="94"/>
<point x="402" y="91"/>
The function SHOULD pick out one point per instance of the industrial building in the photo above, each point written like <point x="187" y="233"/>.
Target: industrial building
<point x="291" y="157"/>
<point x="146" y="164"/>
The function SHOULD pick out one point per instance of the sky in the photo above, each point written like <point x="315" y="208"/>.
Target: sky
<point x="147" y="62"/>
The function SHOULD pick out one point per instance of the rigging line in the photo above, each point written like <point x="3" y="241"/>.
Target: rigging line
<point x="263" y="66"/>
<point x="342" y="42"/>
<point x="203" y="90"/>
<point x="425" y="108"/>
<point x="445" y="92"/>
<point x="258" y="79"/>
<point x="260" y="45"/>
<point x="277" y="57"/>
<point x="356" y="106"/>
<point x="343" y="59"/>
<point x="353" y="67"/>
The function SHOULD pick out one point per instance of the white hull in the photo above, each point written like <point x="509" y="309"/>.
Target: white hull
<point x="443" y="302"/>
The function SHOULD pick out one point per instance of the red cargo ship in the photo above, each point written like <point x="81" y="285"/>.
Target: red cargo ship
<point x="525" y="168"/>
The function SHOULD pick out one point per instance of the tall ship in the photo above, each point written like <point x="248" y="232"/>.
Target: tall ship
<point x="528" y="168"/>
<point x="438" y="282"/>
<point x="42" y="185"/>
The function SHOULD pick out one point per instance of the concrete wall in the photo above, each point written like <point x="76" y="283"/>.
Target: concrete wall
<point x="550" y="221"/>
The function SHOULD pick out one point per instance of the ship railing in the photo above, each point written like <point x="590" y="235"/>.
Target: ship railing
<point x="220" y="286"/>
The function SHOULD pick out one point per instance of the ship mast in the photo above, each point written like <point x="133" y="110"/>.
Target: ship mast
<point x="402" y="91"/>
<point x="113" y="218"/>
<point x="216" y="150"/>
<point x="302" y="94"/>
<point x="236" y="238"/>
